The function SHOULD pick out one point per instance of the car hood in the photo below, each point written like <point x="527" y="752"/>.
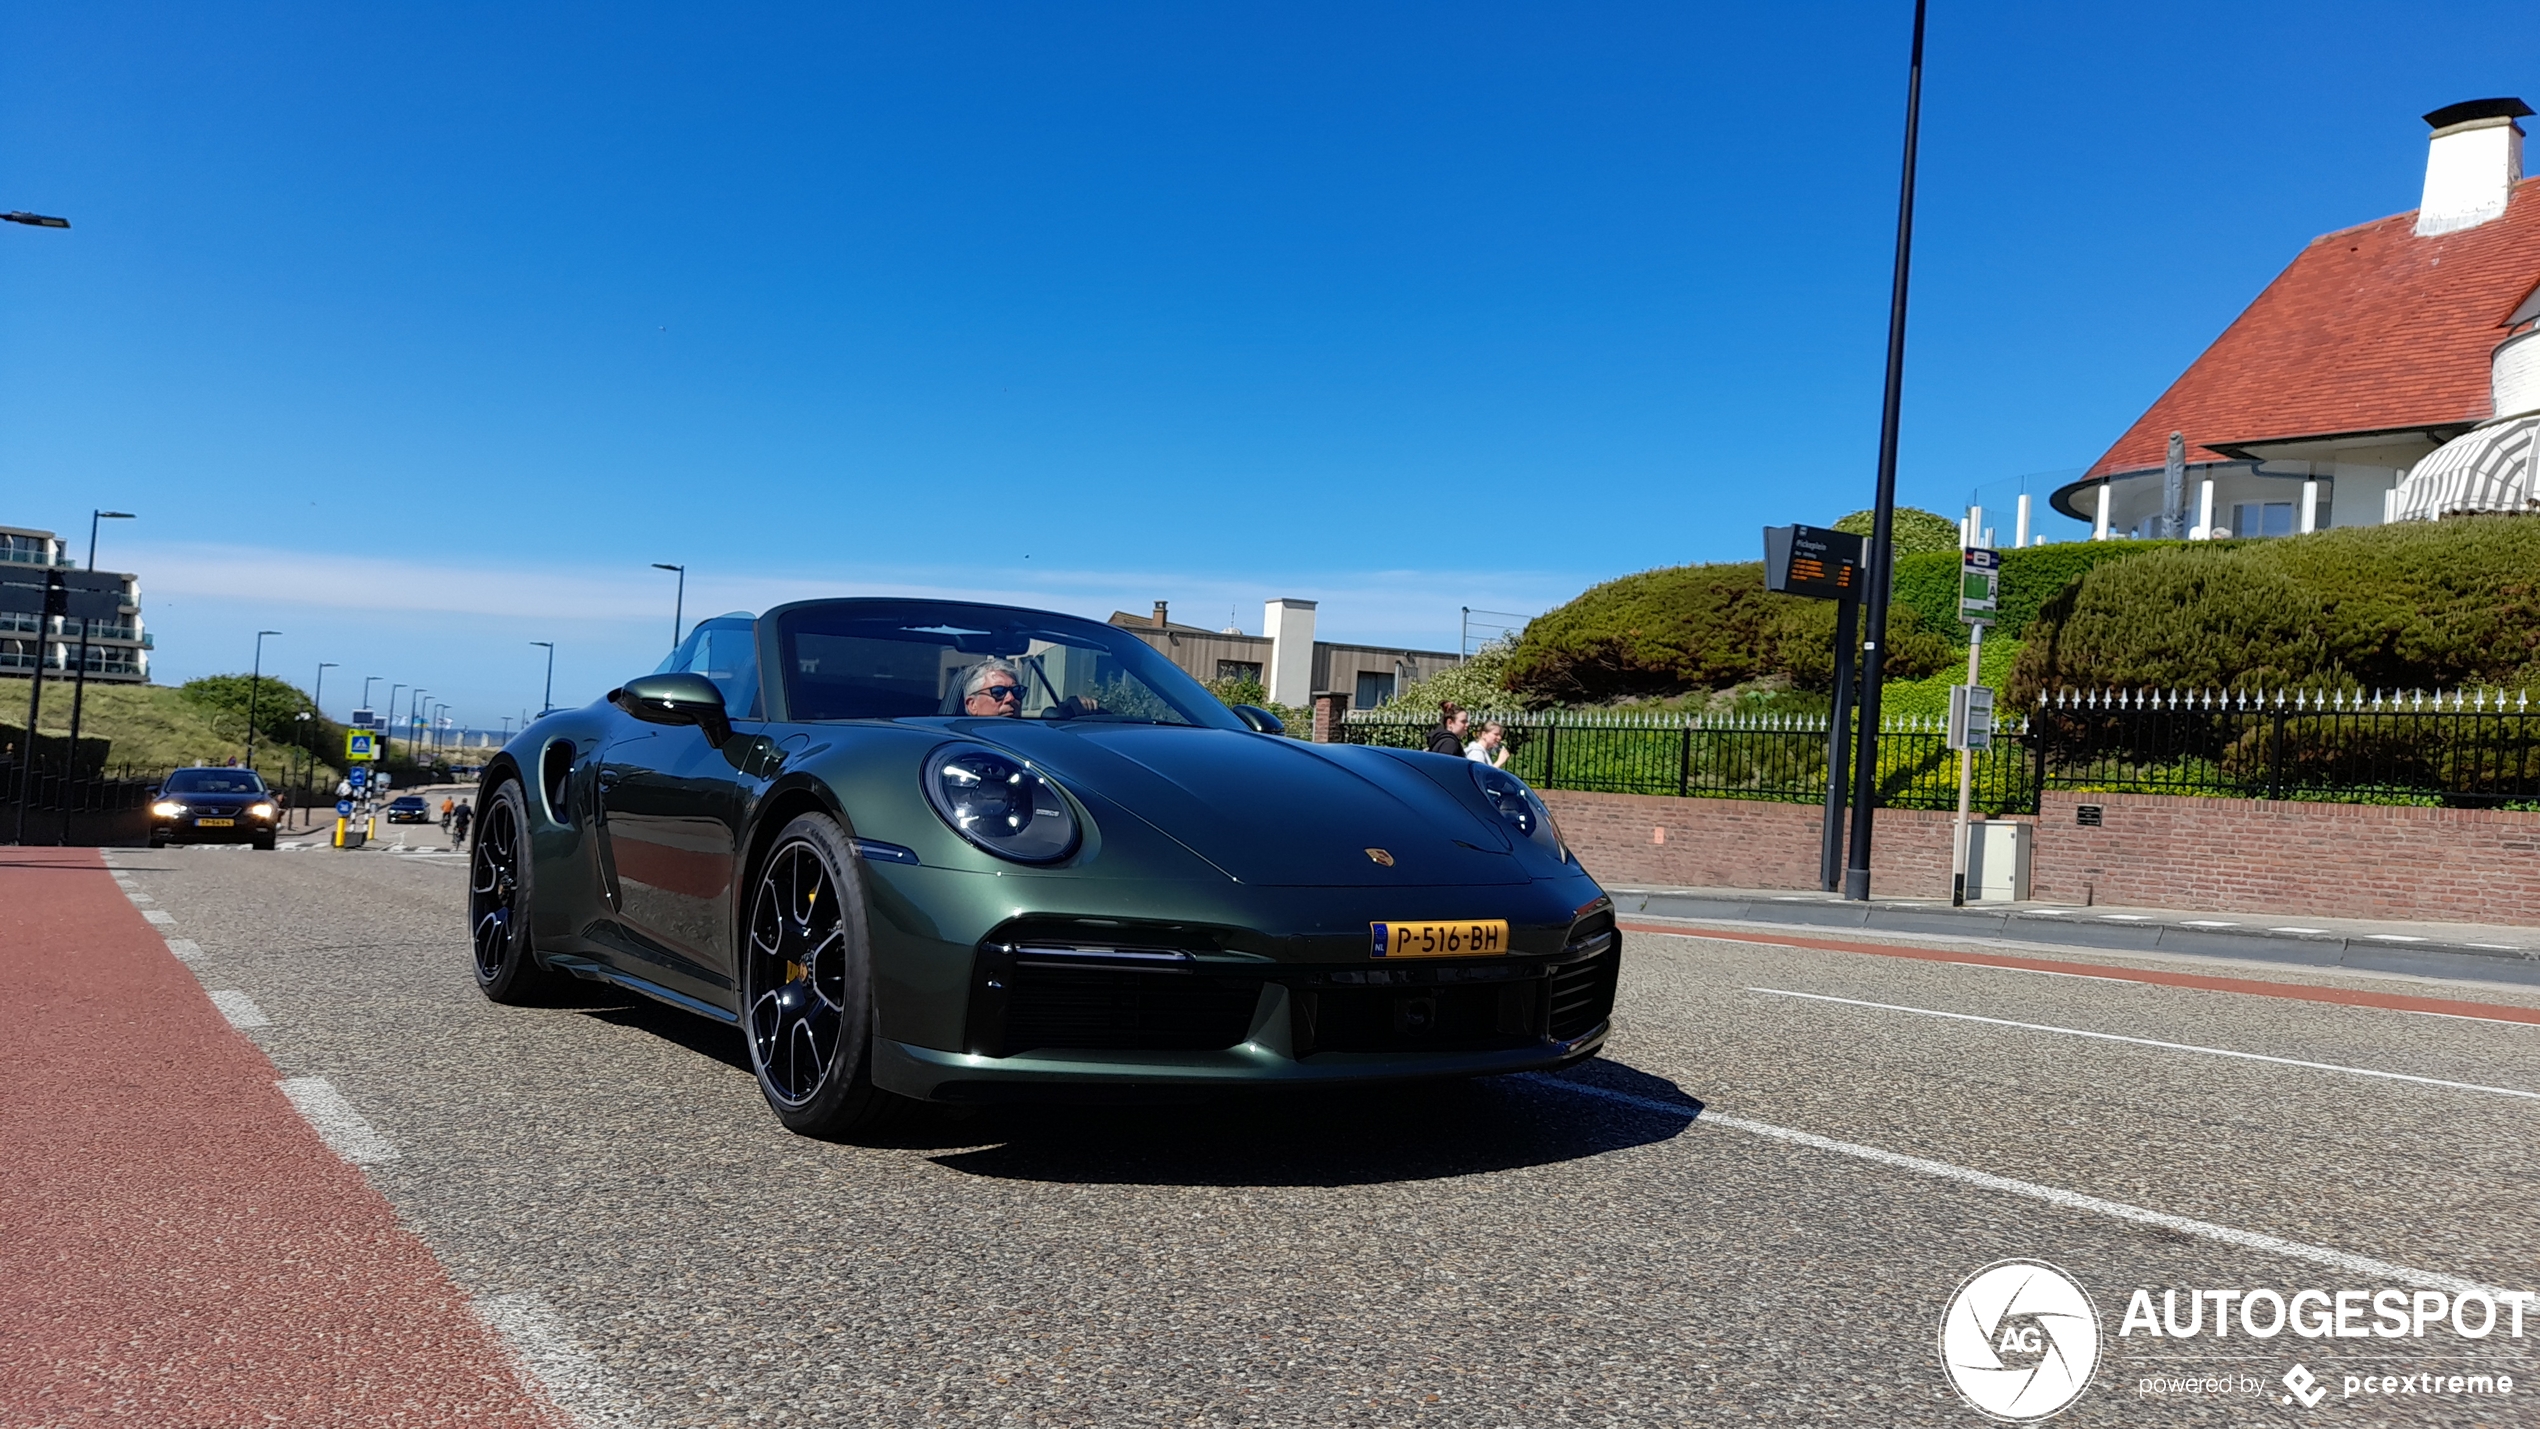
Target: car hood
<point x="1267" y="810"/>
<point x="215" y="801"/>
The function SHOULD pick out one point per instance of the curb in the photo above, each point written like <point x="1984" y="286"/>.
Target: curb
<point x="2431" y="958"/>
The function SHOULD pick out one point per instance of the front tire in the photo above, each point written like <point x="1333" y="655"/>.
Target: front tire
<point x="499" y="903"/>
<point x="807" y="986"/>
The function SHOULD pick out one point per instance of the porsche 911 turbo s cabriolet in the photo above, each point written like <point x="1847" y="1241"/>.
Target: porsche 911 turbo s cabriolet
<point x="930" y="850"/>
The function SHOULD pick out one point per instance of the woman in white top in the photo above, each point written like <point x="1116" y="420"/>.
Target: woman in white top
<point x="1491" y="748"/>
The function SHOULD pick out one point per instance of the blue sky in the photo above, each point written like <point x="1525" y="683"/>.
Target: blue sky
<point x="420" y="334"/>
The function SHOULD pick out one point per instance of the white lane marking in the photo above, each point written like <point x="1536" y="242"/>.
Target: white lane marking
<point x="2297" y="930"/>
<point x="159" y="916"/>
<point x="2127" y="917"/>
<point x="186" y="950"/>
<point x="240" y="1009"/>
<point x="2043" y="912"/>
<point x="137" y="896"/>
<point x="2498" y="947"/>
<point x="2207" y="923"/>
<point x="2041" y="972"/>
<point x="335" y="1121"/>
<point x="546" y="1354"/>
<point x="2391" y="938"/>
<point x="2154" y="1042"/>
<point x="2053" y="1195"/>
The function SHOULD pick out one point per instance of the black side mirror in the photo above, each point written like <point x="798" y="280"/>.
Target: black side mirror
<point x="676" y="699"/>
<point x="1261" y="720"/>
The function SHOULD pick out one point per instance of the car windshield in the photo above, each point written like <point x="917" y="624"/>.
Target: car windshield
<point x="214" y="781"/>
<point x="899" y="659"/>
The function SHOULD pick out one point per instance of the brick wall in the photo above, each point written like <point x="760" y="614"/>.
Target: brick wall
<point x="2326" y="860"/>
<point x="2238" y="855"/>
<point x="1739" y="843"/>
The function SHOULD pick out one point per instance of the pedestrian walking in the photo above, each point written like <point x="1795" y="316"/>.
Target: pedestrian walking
<point x="1448" y="737"/>
<point x="1490" y="746"/>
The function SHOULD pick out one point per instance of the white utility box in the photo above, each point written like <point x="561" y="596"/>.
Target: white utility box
<point x="1998" y="860"/>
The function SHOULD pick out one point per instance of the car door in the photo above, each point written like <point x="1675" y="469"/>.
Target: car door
<point x="670" y="808"/>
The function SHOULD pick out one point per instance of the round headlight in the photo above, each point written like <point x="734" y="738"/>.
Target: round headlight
<point x="998" y="803"/>
<point x="262" y="811"/>
<point x="167" y="808"/>
<point x="1517" y="806"/>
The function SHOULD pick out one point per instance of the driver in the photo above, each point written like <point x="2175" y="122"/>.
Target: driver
<point x="993" y="687"/>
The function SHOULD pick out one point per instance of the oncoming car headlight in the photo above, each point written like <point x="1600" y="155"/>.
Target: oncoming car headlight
<point x="1518" y="806"/>
<point x="167" y="808"/>
<point x="261" y="811"/>
<point x="996" y="802"/>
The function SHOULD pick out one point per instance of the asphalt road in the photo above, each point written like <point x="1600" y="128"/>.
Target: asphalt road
<point x="605" y="1182"/>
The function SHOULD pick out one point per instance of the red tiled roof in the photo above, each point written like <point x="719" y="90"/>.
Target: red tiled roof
<point x="2370" y="329"/>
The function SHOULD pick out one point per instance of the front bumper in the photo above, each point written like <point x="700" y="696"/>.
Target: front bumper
<point x="932" y="1075"/>
<point x="186" y="831"/>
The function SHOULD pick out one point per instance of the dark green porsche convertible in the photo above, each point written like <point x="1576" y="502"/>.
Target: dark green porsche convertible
<point x="929" y="850"/>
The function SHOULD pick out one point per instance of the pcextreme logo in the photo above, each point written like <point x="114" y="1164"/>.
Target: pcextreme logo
<point x="2020" y="1340"/>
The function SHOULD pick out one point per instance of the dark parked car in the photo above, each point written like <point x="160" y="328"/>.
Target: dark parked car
<point x="940" y="851"/>
<point x="409" y="809"/>
<point x="213" y="806"/>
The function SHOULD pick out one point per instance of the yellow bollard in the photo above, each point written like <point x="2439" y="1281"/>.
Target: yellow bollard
<point x="339" y="831"/>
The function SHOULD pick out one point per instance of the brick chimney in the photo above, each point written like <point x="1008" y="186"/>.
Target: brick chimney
<point x="2472" y="162"/>
<point x="1159" y="615"/>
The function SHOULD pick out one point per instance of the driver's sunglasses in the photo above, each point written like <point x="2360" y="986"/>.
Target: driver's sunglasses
<point x="1002" y="692"/>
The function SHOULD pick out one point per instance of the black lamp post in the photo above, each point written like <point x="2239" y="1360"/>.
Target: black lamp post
<point x="678" y="603"/>
<point x="79" y="677"/>
<point x="255" y="684"/>
<point x="547" y="704"/>
<point x="1865" y="773"/>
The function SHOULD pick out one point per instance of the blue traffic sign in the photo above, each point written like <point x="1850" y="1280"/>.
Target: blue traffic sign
<point x="343" y="808"/>
<point x="358" y="776"/>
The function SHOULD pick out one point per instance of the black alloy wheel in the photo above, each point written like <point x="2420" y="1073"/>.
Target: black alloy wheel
<point x="807" y="985"/>
<point x="498" y="903"/>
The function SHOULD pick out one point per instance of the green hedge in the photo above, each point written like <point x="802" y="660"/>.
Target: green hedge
<point x="2031" y="576"/>
<point x="2419" y="605"/>
<point x="1668" y="631"/>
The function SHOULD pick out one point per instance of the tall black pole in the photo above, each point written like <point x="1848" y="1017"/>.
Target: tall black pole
<point x="79" y="696"/>
<point x="1865" y="790"/>
<point x="1847" y="636"/>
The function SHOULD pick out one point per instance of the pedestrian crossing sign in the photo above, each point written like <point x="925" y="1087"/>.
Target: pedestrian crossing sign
<point x="360" y="744"/>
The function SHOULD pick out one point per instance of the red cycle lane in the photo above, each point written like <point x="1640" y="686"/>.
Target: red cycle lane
<point x="177" y="1247"/>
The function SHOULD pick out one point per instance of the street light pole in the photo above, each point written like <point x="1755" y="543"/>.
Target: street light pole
<point x="367" y="682"/>
<point x="414" y="701"/>
<point x="317" y="710"/>
<point x="679" y="602"/>
<point x="255" y="683"/>
<point x="547" y="704"/>
<point x="1865" y="773"/>
<point x="79" y="681"/>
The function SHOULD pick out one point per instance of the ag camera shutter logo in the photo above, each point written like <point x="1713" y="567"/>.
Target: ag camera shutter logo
<point x="2020" y="1340"/>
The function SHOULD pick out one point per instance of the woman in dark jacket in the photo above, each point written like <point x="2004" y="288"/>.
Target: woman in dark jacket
<point x="1448" y="737"/>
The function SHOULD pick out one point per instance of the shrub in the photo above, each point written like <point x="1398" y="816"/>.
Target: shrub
<point x="1480" y="683"/>
<point x="2419" y="605"/>
<point x="2031" y="576"/>
<point x="1682" y="628"/>
<point x="1914" y="530"/>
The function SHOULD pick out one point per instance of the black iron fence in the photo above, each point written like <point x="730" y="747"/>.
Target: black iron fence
<point x="2469" y="749"/>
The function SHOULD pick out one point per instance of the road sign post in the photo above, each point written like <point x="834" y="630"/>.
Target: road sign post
<point x="1826" y="565"/>
<point x="1971" y="704"/>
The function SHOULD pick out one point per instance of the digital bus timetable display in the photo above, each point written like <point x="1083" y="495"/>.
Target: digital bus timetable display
<point x="1812" y="561"/>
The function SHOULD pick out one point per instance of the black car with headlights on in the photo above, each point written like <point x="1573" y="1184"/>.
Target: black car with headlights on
<point x="213" y="806"/>
<point x="409" y="809"/>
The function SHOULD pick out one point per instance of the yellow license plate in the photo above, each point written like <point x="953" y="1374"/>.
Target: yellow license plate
<point x="1482" y="938"/>
<point x="215" y="823"/>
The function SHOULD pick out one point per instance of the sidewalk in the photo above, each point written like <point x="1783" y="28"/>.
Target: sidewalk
<point x="2460" y="950"/>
